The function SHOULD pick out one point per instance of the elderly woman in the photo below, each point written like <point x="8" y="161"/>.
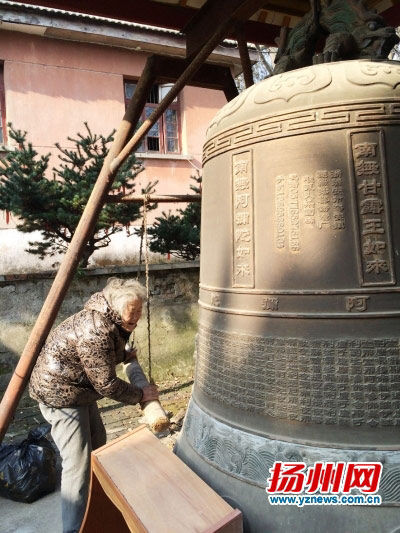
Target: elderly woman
<point x="75" y="368"/>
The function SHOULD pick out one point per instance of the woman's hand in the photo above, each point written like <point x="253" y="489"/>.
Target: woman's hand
<point x="149" y="393"/>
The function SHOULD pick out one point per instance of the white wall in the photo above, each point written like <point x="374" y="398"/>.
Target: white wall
<point x="123" y="250"/>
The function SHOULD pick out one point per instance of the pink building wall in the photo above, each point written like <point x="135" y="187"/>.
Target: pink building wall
<point x="53" y="86"/>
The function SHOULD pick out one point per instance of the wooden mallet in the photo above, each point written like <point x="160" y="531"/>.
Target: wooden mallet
<point x="154" y="414"/>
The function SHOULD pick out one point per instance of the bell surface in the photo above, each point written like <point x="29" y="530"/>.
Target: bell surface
<point x="298" y="356"/>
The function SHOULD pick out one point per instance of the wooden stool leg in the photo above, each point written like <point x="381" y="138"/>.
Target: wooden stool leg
<point x="101" y="514"/>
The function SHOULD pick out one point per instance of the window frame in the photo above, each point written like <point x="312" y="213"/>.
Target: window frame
<point x="162" y="123"/>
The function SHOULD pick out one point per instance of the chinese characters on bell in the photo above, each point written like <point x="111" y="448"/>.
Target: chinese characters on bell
<point x="324" y="483"/>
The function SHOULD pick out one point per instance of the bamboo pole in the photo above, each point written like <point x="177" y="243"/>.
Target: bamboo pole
<point x="163" y="199"/>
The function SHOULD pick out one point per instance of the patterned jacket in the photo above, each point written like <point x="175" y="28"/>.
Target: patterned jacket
<point x="76" y="366"/>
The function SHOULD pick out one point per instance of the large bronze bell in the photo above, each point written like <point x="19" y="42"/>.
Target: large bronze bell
<point x="298" y="353"/>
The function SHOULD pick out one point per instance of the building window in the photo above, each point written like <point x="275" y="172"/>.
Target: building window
<point x="3" y="129"/>
<point x="163" y="137"/>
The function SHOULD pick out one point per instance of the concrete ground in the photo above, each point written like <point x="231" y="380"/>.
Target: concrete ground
<point x="44" y="515"/>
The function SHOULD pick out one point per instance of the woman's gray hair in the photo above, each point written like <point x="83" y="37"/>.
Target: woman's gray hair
<point x="119" y="292"/>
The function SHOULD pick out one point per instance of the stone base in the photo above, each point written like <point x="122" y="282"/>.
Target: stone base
<point x="236" y="464"/>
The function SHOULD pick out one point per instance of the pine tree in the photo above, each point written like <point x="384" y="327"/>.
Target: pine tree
<point x="54" y="206"/>
<point x="179" y="235"/>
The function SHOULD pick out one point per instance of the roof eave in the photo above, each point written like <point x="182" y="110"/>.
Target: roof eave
<point x="131" y="36"/>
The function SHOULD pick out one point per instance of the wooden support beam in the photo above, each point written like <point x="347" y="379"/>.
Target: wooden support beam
<point x="283" y="36"/>
<point x="140" y="96"/>
<point x="186" y="76"/>
<point x="244" y="57"/>
<point x="208" y="76"/>
<point x="288" y="7"/>
<point x="160" y="199"/>
<point x="230" y="90"/>
<point x="392" y="15"/>
<point x="212" y="15"/>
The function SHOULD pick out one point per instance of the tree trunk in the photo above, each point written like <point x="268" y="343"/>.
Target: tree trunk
<point x="87" y="252"/>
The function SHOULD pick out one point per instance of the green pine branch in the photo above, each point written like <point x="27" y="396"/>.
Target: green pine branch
<point x="179" y="235"/>
<point x="54" y="206"/>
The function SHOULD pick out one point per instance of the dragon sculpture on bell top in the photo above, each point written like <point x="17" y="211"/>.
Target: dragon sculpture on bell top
<point x="348" y="29"/>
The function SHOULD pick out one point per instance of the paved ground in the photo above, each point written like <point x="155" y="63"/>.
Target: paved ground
<point x="44" y="516"/>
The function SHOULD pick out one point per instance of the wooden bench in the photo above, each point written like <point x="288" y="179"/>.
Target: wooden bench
<point x="139" y="485"/>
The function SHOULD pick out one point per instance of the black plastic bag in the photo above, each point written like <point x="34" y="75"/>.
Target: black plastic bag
<point x="28" y="469"/>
